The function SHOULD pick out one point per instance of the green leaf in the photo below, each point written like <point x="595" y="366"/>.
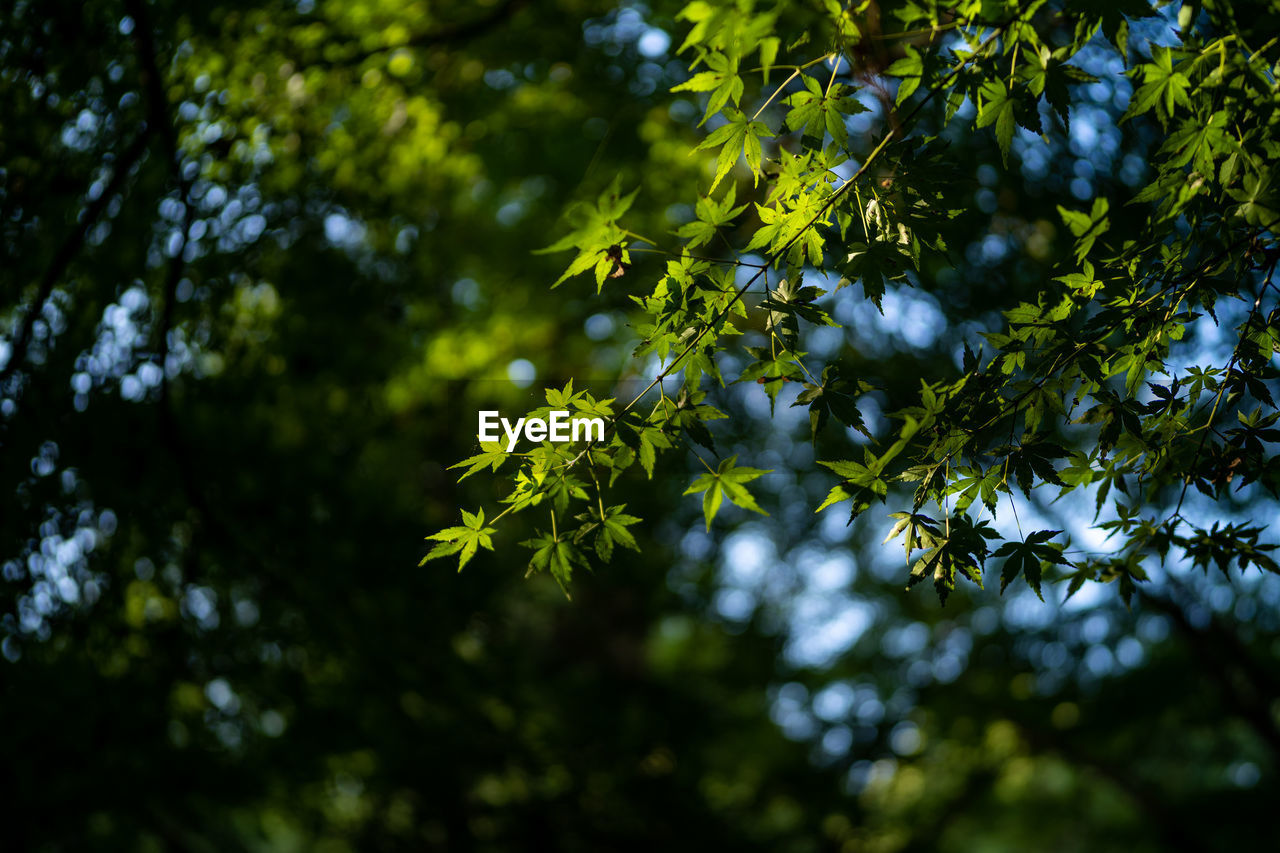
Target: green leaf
<point x="910" y="70"/>
<point x="1027" y="558"/>
<point x="607" y="531"/>
<point x="463" y="540"/>
<point x="726" y="481"/>
<point x="1165" y="87"/>
<point x="995" y="106"/>
<point x="740" y="137"/>
<point x="491" y="456"/>
<point x="772" y="370"/>
<point x="555" y="555"/>
<point x="820" y="112"/>
<point x="858" y="474"/>
<point x="832" y="397"/>
<point x="711" y="215"/>
<point x="601" y="244"/>
<point x="722" y="81"/>
<point x="837" y="495"/>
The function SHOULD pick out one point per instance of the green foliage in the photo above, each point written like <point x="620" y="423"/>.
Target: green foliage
<point x="600" y="242"/>
<point x="727" y="481"/>
<point x="608" y="529"/>
<point x="740" y="136"/>
<point x="711" y="216"/>
<point x="817" y="112"/>
<point x="1092" y="371"/>
<point x="832" y="396"/>
<point x="722" y="82"/>
<point x="1029" y="558"/>
<point x="463" y="540"/>
<point x="554" y="554"/>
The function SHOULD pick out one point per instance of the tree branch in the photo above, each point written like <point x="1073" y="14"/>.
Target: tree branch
<point x="161" y="118"/>
<point x="71" y="247"/>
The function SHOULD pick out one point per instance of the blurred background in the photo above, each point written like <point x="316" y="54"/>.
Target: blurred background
<point x="264" y="261"/>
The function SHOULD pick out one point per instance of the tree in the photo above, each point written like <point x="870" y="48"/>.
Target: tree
<point x="268" y="260"/>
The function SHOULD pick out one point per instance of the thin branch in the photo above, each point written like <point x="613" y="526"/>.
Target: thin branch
<point x="1222" y="389"/>
<point x="776" y="93"/>
<point x="1188" y="276"/>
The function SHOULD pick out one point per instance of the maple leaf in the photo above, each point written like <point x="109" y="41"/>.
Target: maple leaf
<point x="463" y="540"/>
<point x="726" y="481"/>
